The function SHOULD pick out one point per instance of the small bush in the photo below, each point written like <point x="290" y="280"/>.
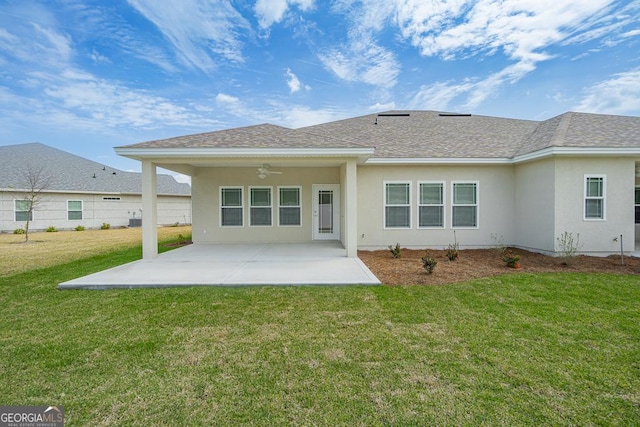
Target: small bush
<point x="52" y="229"/>
<point x="19" y="231"/>
<point x="429" y="264"/>
<point x="397" y="251"/>
<point x="182" y="239"/>
<point x="568" y="246"/>
<point x="453" y="252"/>
<point x="105" y="226"/>
<point x="175" y="224"/>
<point x="79" y="228"/>
<point x="512" y="260"/>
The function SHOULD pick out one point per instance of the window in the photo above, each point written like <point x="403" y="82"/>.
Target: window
<point x="594" y="194"/>
<point x="637" y="205"/>
<point x="431" y="205"/>
<point x="231" y="206"/>
<point x="74" y="209"/>
<point x="397" y="205"/>
<point x="464" y="207"/>
<point x="260" y="206"/>
<point x="22" y="210"/>
<point x="289" y="207"/>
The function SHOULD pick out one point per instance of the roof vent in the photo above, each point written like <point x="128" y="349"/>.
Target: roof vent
<point x="454" y="115"/>
<point x="394" y="115"/>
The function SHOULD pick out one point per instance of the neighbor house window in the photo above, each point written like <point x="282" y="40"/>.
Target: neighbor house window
<point x="260" y="206"/>
<point x="231" y="206"/>
<point x="397" y="205"/>
<point x="431" y="205"/>
<point x="22" y="210"/>
<point x="637" y="205"/>
<point x="289" y="206"/>
<point x="464" y="205"/>
<point x="594" y="197"/>
<point x="74" y="209"/>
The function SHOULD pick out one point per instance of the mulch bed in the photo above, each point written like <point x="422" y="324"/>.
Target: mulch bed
<point x="478" y="263"/>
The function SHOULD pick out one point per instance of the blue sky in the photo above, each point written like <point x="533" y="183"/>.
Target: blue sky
<point x="85" y="76"/>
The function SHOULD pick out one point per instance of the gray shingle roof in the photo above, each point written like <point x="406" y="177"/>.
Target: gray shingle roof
<point x="429" y="134"/>
<point x="69" y="172"/>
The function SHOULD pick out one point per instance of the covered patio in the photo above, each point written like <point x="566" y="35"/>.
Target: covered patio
<point x="236" y="264"/>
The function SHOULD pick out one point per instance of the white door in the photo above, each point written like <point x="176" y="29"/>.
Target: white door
<point x="326" y="212"/>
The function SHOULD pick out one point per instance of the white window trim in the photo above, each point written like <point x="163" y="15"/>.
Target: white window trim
<point x="220" y="207"/>
<point x="15" y="210"/>
<point x="259" y="187"/>
<point x="603" y="198"/>
<point x="299" y="188"/>
<point x="635" y="205"/>
<point x="477" y="205"/>
<point x="444" y="205"/>
<point x="384" y="205"/>
<point x="81" y="209"/>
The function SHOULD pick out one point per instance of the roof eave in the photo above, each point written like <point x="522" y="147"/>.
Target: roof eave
<point x="361" y="154"/>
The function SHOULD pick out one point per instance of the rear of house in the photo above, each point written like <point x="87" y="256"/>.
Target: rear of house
<point x="417" y="178"/>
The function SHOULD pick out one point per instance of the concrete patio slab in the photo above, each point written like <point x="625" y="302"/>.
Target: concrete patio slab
<point x="237" y="264"/>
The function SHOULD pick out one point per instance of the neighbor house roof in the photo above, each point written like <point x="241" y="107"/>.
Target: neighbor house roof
<point x="71" y="173"/>
<point x="427" y="135"/>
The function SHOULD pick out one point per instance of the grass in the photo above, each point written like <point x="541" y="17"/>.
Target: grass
<point x="49" y="249"/>
<point x="549" y="349"/>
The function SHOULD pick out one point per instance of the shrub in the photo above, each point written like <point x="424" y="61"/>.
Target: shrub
<point x="453" y="252"/>
<point x="79" y="228"/>
<point x="511" y="259"/>
<point x="175" y="224"/>
<point x="19" y="231"/>
<point x="51" y="229"/>
<point x="429" y="264"/>
<point x="397" y="251"/>
<point x="568" y="246"/>
<point x="105" y="226"/>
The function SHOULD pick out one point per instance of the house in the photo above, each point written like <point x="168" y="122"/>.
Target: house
<point x="418" y="178"/>
<point x="77" y="191"/>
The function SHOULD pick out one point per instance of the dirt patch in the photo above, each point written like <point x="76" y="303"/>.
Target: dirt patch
<point x="477" y="263"/>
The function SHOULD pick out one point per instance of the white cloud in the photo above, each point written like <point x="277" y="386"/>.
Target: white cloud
<point x="362" y="60"/>
<point x="98" y="58"/>
<point x="197" y="29"/>
<point x="272" y="11"/>
<point x="294" y="82"/>
<point x="618" y="95"/>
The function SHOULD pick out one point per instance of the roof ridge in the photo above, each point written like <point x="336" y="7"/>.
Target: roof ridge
<point x="560" y="134"/>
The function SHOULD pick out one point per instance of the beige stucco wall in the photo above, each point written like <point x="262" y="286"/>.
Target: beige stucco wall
<point x="206" y="185"/>
<point x="535" y="205"/>
<point x="495" y="208"/>
<point x="52" y="211"/>
<point x="596" y="236"/>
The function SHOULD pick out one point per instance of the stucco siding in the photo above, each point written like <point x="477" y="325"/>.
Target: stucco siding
<point x="596" y="236"/>
<point x="495" y="206"/>
<point x="534" y="205"/>
<point x="206" y="185"/>
<point x="116" y="210"/>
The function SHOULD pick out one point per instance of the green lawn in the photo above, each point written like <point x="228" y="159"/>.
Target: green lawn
<point x="553" y="349"/>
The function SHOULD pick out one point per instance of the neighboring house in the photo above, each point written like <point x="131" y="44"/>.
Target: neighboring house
<point x="413" y="178"/>
<point x="78" y="191"/>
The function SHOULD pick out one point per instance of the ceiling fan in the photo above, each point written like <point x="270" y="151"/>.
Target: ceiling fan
<point x="265" y="170"/>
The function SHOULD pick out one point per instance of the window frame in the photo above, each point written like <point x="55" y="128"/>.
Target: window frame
<point x="636" y="205"/>
<point x="81" y="210"/>
<point x="603" y="197"/>
<point x="476" y="183"/>
<point x="251" y="207"/>
<point x="442" y="205"/>
<point x="409" y="205"/>
<point x="222" y="207"/>
<point x="15" y="210"/>
<point x="298" y="206"/>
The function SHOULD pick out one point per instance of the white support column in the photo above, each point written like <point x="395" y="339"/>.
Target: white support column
<point x="351" y="213"/>
<point x="149" y="210"/>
